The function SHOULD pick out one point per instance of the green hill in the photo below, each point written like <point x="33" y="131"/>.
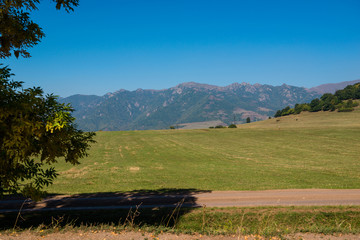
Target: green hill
<point x="343" y="101"/>
<point x="311" y="120"/>
<point x="309" y="150"/>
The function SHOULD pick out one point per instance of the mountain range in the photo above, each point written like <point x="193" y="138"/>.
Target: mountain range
<point x="188" y="103"/>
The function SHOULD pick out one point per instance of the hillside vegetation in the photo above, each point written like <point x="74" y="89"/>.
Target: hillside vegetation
<point x="311" y="120"/>
<point x="309" y="150"/>
<point x="341" y="101"/>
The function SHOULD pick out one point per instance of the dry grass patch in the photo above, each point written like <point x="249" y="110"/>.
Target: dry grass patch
<point x="134" y="169"/>
<point x="75" y="172"/>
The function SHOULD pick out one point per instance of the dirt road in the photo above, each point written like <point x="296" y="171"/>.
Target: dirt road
<point x="291" y="197"/>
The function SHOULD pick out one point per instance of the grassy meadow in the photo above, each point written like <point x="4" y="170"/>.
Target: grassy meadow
<point x="310" y="150"/>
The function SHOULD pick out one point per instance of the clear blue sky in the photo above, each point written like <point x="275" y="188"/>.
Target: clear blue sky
<point x="153" y="44"/>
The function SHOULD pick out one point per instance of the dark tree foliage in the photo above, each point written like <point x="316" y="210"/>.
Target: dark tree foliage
<point x="341" y="100"/>
<point x="17" y="31"/>
<point x="278" y="113"/>
<point x="284" y="112"/>
<point x="248" y="120"/>
<point x="329" y="101"/>
<point x="315" y="105"/>
<point x="35" y="130"/>
<point x="298" y="108"/>
<point x="350" y="92"/>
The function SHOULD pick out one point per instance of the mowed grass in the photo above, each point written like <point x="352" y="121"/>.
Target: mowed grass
<point x="310" y="150"/>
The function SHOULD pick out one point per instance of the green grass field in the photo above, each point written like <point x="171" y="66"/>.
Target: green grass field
<point x="310" y="150"/>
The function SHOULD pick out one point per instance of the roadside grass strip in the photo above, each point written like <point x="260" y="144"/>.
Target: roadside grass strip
<point x="262" y="221"/>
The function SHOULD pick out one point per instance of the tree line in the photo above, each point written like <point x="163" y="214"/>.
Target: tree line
<point x="342" y="101"/>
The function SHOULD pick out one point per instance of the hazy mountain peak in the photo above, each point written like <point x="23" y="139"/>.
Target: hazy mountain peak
<point x="196" y="85"/>
<point x="232" y="86"/>
<point x="332" y="87"/>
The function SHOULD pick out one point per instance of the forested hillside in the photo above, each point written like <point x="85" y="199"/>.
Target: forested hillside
<point x="342" y="101"/>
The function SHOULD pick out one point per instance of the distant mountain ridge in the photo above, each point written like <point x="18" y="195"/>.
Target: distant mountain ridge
<point x="184" y="103"/>
<point x="188" y="102"/>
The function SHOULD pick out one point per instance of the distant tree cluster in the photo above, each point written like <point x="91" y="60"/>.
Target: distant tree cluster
<point x="342" y="100"/>
<point x="221" y="126"/>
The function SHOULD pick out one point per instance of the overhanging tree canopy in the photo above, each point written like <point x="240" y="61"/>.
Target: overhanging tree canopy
<point x="35" y="129"/>
<point x="17" y="31"/>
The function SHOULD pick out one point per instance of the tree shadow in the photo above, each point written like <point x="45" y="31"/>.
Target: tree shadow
<point x="160" y="207"/>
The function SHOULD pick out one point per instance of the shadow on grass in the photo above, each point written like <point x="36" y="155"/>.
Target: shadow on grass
<point x="162" y="207"/>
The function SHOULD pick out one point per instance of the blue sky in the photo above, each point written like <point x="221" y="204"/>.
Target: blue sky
<point x="154" y="44"/>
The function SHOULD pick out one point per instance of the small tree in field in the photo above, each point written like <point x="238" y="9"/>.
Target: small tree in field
<point x="35" y="130"/>
<point x="248" y="120"/>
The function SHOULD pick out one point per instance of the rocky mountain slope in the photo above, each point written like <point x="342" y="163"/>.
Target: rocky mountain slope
<point x="185" y="103"/>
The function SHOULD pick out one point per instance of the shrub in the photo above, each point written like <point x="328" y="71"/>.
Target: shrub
<point x="315" y="105"/>
<point x="232" y="126"/>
